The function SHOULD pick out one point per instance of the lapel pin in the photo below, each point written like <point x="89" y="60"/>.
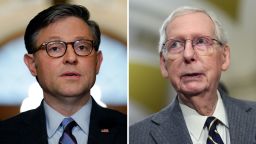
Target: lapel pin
<point x="104" y="130"/>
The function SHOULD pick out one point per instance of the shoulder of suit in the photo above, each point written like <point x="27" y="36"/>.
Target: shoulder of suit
<point x="20" y="121"/>
<point x="105" y="117"/>
<point x="109" y="115"/>
<point x="21" y="115"/>
<point x="139" y="132"/>
<point x="250" y="106"/>
<point x="156" y="118"/>
<point x="143" y="124"/>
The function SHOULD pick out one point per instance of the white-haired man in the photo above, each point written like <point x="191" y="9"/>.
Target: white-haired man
<point x="193" y="53"/>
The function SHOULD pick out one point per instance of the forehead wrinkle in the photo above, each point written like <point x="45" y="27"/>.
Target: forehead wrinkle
<point x="194" y="24"/>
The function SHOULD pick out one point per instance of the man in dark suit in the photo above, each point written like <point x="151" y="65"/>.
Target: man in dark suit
<point x="193" y="53"/>
<point x="64" y="56"/>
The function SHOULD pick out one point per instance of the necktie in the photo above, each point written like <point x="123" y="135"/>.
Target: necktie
<point x="67" y="137"/>
<point x="213" y="136"/>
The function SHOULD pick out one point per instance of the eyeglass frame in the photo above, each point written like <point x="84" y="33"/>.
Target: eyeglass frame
<point x="164" y="49"/>
<point x="43" y="46"/>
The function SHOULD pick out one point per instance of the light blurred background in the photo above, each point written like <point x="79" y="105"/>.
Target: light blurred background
<point x="148" y="91"/>
<point x="19" y="91"/>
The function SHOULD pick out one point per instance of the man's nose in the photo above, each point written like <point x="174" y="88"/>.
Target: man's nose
<point x="70" y="55"/>
<point x="189" y="51"/>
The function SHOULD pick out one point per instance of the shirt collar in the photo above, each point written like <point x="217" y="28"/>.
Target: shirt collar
<point x="54" y="118"/>
<point x="220" y="112"/>
<point x="82" y="117"/>
<point x="195" y="121"/>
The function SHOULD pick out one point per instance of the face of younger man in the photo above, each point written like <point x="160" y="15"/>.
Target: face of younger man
<point x="70" y="75"/>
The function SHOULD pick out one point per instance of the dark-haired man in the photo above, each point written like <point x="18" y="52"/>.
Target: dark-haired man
<point x="64" y="56"/>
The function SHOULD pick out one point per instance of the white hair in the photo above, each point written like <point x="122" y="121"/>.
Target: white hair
<point x="219" y="31"/>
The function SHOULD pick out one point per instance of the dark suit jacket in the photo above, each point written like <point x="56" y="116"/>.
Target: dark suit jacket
<point x="30" y="127"/>
<point x="168" y="126"/>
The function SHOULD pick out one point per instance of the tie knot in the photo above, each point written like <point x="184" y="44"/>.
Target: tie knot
<point x="213" y="136"/>
<point x="68" y="124"/>
<point x="211" y="123"/>
<point x="67" y="137"/>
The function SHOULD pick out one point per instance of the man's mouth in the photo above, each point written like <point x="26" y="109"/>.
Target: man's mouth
<point x="191" y="76"/>
<point x="70" y="74"/>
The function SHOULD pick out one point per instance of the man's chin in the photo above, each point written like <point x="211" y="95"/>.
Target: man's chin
<point x="192" y="92"/>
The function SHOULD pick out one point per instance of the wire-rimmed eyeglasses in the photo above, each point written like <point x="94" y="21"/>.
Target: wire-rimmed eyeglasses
<point x="58" y="48"/>
<point x="173" y="48"/>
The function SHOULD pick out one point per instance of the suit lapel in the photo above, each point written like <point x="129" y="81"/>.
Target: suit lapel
<point x="100" y="129"/>
<point x="168" y="126"/>
<point x="94" y="127"/>
<point x="35" y="127"/>
<point x="241" y="120"/>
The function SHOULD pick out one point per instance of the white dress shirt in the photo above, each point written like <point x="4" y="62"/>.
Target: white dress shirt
<point x="54" y="119"/>
<point x="195" y="123"/>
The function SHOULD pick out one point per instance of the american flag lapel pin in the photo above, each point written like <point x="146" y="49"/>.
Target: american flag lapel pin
<point x="105" y="130"/>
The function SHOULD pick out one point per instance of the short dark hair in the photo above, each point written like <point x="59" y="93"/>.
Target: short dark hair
<point x="54" y="13"/>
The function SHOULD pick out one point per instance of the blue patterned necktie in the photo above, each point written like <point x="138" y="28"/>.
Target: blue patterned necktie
<point x="67" y="137"/>
<point x="213" y="136"/>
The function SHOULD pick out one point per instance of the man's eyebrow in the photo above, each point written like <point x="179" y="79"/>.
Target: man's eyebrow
<point x="83" y="37"/>
<point x="52" y="38"/>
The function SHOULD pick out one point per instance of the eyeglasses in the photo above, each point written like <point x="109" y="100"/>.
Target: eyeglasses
<point x="58" y="49"/>
<point x="173" y="48"/>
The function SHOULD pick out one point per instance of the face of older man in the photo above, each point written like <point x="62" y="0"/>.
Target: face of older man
<point x="193" y="71"/>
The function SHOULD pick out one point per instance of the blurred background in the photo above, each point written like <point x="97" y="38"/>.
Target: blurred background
<point x="148" y="91"/>
<point x="19" y="91"/>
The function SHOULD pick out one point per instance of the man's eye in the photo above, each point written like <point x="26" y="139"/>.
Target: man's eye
<point x="82" y="47"/>
<point x="54" y="47"/>
<point x="202" y="40"/>
<point x="175" y="44"/>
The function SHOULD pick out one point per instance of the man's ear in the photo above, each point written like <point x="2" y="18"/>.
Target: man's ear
<point x="30" y="62"/>
<point x="163" y="66"/>
<point x="225" y="58"/>
<point x="98" y="61"/>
